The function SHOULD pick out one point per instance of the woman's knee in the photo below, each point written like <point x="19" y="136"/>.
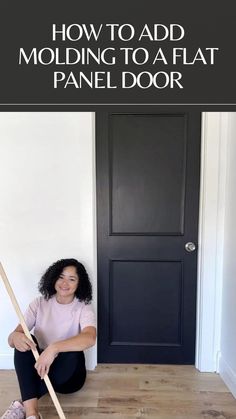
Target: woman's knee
<point x="75" y="383"/>
<point x="23" y="357"/>
<point x="66" y="365"/>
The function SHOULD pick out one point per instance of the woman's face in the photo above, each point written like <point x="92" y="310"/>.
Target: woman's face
<point x="66" y="285"/>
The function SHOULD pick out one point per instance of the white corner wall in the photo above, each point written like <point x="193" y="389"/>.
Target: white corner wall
<point x="47" y="211"/>
<point x="227" y="367"/>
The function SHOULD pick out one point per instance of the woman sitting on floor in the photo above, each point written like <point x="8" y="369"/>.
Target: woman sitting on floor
<point x="64" y="326"/>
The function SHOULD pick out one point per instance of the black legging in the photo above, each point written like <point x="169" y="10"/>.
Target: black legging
<point x="67" y="373"/>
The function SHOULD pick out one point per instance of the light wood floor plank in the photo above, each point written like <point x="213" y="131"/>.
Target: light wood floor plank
<point x="137" y="391"/>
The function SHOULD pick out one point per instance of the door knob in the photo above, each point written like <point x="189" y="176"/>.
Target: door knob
<point x="190" y="247"/>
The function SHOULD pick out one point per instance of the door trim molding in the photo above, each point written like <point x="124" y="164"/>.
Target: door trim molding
<point x="211" y="234"/>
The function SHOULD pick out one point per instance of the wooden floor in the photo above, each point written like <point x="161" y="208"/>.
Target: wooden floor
<point x="137" y="391"/>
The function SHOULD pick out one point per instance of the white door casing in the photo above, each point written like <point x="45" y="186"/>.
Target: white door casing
<point x="211" y="234"/>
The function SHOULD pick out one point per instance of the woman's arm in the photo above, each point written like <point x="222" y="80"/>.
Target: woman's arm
<point x="11" y="336"/>
<point x="17" y="339"/>
<point x="84" y="340"/>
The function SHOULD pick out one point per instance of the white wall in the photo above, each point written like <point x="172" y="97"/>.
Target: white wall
<point x="47" y="211"/>
<point x="228" y="330"/>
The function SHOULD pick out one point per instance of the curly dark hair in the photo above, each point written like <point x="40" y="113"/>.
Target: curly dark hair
<point x="47" y="282"/>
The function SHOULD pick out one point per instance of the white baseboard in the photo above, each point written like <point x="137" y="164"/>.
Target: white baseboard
<point x="6" y="362"/>
<point x="218" y="357"/>
<point x="228" y="375"/>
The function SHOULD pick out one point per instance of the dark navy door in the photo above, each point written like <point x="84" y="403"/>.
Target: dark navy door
<point x="148" y="200"/>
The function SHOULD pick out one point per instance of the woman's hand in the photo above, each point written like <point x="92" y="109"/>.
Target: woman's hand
<point x="21" y="342"/>
<point x="45" y="360"/>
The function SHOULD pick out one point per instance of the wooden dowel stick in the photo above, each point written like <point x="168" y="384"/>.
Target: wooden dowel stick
<point x="26" y="331"/>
